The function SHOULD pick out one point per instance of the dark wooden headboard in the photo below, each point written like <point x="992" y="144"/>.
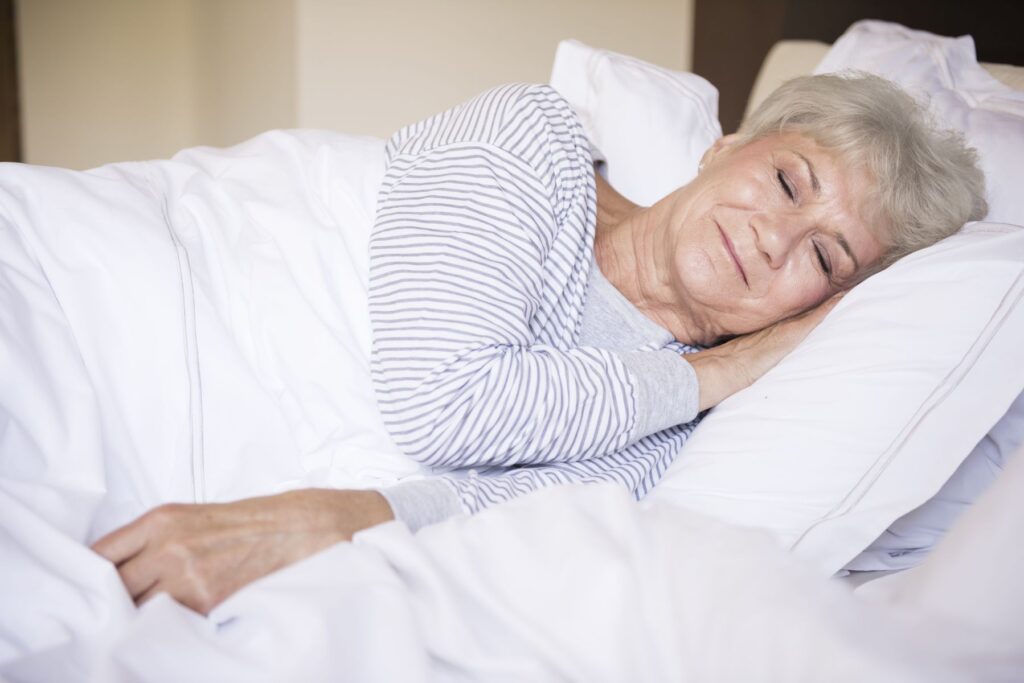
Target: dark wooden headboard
<point x="732" y="37"/>
<point x="10" y="137"/>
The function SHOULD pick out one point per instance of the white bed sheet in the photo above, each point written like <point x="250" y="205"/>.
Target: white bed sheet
<point x="196" y="329"/>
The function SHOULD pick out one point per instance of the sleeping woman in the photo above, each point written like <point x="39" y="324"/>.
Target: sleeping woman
<point x="531" y="326"/>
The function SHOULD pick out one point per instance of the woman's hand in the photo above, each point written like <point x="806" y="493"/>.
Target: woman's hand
<point x="725" y="369"/>
<point x="201" y="554"/>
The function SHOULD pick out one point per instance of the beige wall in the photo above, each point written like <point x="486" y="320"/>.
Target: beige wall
<point x="110" y="80"/>
<point x="103" y="80"/>
<point x="246" y="68"/>
<point x="371" y="67"/>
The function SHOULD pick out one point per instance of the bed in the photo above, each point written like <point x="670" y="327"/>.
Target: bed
<point x="205" y="284"/>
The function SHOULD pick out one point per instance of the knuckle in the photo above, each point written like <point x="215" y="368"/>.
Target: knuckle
<point x="206" y="603"/>
<point x="163" y="514"/>
<point x="198" y="604"/>
<point x="201" y="590"/>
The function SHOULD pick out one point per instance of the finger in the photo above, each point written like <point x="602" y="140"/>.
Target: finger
<point x="178" y="594"/>
<point x="183" y="592"/>
<point x="140" y="573"/>
<point x="815" y="315"/>
<point x="148" y="594"/>
<point x="122" y="544"/>
<point x="835" y="298"/>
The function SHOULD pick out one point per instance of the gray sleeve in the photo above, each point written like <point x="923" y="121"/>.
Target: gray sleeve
<point x="422" y="502"/>
<point x="667" y="390"/>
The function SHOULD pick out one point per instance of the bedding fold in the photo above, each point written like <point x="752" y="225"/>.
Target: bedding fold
<point x="183" y="330"/>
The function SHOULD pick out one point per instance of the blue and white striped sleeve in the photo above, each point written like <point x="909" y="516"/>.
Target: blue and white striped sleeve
<point x="637" y="468"/>
<point x="478" y="207"/>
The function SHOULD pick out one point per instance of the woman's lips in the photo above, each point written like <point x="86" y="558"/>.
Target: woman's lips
<point x="732" y="253"/>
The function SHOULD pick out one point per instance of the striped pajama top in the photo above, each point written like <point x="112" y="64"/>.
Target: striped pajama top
<point x="480" y="261"/>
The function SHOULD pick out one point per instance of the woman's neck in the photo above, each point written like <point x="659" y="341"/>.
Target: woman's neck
<point x="630" y="251"/>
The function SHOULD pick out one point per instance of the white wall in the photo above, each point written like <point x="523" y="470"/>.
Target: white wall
<point x="110" y="80"/>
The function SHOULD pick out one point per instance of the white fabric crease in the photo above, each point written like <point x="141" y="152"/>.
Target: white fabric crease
<point x="234" y="364"/>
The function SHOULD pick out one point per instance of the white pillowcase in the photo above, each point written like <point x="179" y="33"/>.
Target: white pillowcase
<point x="879" y="406"/>
<point x="875" y="410"/>
<point x="911" y="537"/>
<point x="654" y="124"/>
<point x="944" y="73"/>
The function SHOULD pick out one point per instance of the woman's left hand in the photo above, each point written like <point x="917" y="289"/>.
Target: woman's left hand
<point x="727" y="368"/>
<point x="201" y="554"/>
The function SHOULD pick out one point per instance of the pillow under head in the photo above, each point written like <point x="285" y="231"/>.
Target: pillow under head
<point x="877" y="408"/>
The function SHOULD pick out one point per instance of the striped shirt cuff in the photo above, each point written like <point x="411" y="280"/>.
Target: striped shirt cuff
<point x="422" y="502"/>
<point x="667" y="392"/>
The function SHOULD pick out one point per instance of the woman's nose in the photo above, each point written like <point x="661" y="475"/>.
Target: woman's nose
<point x="777" y="234"/>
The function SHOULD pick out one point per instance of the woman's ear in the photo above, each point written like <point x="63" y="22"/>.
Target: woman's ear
<point x="720" y="145"/>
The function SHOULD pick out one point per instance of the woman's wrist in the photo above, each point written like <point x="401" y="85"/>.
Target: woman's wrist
<point x="350" y="511"/>
<point x="717" y="378"/>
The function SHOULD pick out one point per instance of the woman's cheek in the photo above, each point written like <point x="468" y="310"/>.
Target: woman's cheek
<point x="805" y="296"/>
<point x="818" y="293"/>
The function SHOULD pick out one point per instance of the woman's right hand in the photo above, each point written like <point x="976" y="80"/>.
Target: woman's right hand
<point x="727" y="368"/>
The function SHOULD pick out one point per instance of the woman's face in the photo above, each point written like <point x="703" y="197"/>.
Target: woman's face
<point x="767" y="230"/>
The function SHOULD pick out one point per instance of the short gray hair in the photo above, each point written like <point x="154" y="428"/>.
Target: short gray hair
<point x="927" y="181"/>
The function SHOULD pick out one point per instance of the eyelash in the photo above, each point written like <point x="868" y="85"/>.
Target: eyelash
<point x="823" y="260"/>
<point x="784" y="182"/>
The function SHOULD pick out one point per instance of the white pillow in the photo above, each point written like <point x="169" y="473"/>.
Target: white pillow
<point x="944" y="73"/>
<point x="911" y="537"/>
<point x="831" y="480"/>
<point x="875" y="410"/>
<point x="652" y="124"/>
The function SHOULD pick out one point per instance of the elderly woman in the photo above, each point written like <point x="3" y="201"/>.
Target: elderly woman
<point x="530" y="323"/>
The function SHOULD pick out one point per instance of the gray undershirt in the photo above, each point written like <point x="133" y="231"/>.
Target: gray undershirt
<point x="612" y="322"/>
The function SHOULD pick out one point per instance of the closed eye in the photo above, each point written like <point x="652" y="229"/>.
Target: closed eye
<point x="826" y="267"/>
<point x="784" y="182"/>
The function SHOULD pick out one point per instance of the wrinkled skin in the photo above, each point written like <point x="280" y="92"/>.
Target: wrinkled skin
<point x="201" y="554"/>
<point x="752" y="241"/>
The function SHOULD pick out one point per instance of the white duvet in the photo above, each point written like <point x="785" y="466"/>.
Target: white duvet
<point x="185" y="330"/>
<point x="197" y="330"/>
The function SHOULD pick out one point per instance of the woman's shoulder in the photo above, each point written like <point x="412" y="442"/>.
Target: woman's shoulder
<point x="515" y="117"/>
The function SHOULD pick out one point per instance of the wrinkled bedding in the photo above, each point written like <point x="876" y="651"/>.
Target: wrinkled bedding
<point x="570" y="583"/>
<point x="185" y="330"/>
<point x="196" y="330"/>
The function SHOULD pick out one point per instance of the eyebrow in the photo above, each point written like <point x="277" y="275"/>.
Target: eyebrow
<point x="849" y="252"/>
<point x="815" y="185"/>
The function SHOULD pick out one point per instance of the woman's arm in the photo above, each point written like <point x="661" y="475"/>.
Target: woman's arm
<point x="478" y="272"/>
<point x="720" y="371"/>
<point x="468" y="367"/>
